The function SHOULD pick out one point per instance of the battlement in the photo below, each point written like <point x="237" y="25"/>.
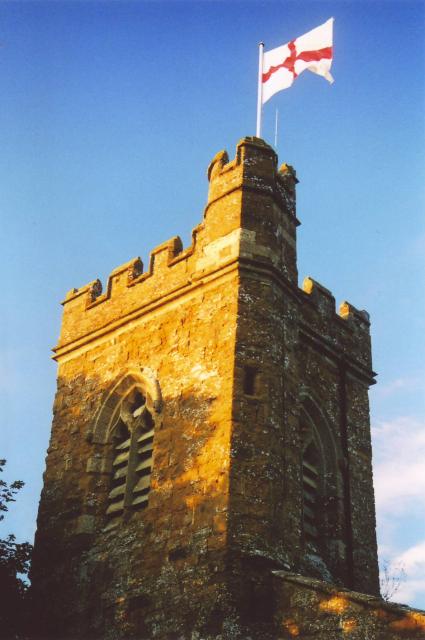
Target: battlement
<point x="325" y="303"/>
<point x="130" y="273"/>
<point x="249" y="216"/>
<point x="129" y="288"/>
<point x="253" y="168"/>
<point x="216" y="244"/>
<point x="346" y="331"/>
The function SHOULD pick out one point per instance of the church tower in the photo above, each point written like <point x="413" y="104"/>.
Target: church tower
<point x="210" y="455"/>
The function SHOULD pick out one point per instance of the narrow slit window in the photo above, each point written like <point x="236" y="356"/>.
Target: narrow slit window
<point x="249" y="381"/>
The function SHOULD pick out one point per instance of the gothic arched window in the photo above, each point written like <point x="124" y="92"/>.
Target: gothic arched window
<point x="132" y="441"/>
<point x="317" y="460"/>
<point x="322" y="514"/>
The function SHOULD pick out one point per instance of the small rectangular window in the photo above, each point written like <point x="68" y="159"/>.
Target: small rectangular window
<point x="249" y="381"/>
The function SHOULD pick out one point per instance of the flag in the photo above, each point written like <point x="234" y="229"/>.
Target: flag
<point x="312" y="51"/>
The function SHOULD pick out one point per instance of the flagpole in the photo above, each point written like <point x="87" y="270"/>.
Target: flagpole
<point x="275" y="128"/>
<point x="260" y="88"/>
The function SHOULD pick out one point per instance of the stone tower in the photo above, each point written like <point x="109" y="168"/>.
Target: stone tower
<point x="210" y="451"/>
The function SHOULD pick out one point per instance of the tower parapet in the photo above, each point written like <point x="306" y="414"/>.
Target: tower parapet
<point x="233" y="225"/>
<point x="346" y="332"/>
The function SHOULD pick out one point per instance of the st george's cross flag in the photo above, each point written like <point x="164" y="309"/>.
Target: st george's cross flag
<point x="312" y="51"/>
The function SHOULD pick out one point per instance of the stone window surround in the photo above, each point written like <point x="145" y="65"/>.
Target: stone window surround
<point x="143" y="379"/>
<point x="319" y="430"/>
<point x="100" y="435"/>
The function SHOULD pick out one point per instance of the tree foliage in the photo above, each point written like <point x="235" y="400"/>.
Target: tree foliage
<point x="15" y="558"/>
<point x="392" y="577"/>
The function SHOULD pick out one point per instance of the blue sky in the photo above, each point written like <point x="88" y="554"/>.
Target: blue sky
<point x="110" y="113"/>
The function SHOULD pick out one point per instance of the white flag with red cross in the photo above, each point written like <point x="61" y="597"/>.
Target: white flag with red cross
<point x="312" y="51"/>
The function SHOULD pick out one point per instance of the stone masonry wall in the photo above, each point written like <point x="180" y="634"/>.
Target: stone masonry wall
<point x="98" y="575"/>
<point x="313" y="610"/>
<point x="335" y="367"/>
<point x="304" y="357"/>
<point x="174" y="325"/>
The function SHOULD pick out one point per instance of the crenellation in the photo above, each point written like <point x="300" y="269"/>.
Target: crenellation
<point x="216" y="242"/>
<point x="349" y="312"/>
<point x="346" y="334"/>
<point x="92" y="290"/>
<point x="213" y="244"/>
<point x="133" y="268"/>
<point x="254" y="168"/>
<point x="119" y="279"/>
<point x="322" y="297"/>
<point x="162" y="256"/>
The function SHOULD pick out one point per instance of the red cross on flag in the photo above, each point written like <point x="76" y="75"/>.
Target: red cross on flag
<point x="312" y="51"/>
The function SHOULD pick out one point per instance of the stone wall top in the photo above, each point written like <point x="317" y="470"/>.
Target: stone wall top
<point x="250" y="185"/>
<point x="327" y="612"/>
<point x="172" y="269"/>
<point x="348" y="331"/>
<point x="253" y="168"/>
